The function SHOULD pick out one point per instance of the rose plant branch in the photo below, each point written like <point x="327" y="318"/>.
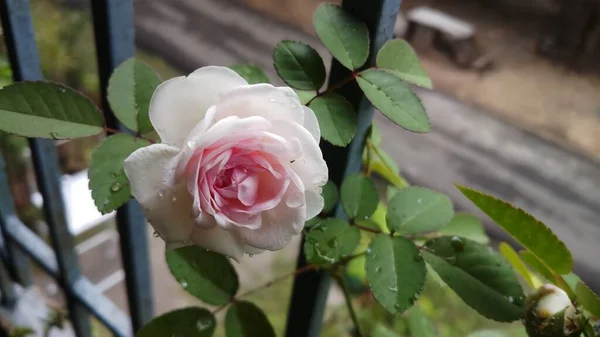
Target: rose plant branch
<point x="339" y="278"/>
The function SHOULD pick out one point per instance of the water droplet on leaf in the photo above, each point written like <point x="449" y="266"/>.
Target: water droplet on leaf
<point x="378" y="270"/>
<point x="54" y="135"/>
<point x="368" y="251"/>
<point x="420" y="200"/>
<point x="457" y="244"/>
<point x="115" y="187"/>
<point x="203" y="324"/>
<point x="332" y="243"/>
<point x="418" y="257"/>
<point x="393" y="289"/>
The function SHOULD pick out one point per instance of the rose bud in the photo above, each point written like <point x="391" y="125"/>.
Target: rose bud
<point x="550" y="313"/>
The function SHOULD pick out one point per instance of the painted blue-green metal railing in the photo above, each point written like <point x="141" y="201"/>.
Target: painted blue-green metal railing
<point x="114" y="35"/>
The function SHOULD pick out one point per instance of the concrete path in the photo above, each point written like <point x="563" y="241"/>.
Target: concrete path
<point x="467" y="146"/>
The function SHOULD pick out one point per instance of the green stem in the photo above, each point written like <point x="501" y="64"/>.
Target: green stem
<point x="340" y="280"/>
<point x="401" y="182"/>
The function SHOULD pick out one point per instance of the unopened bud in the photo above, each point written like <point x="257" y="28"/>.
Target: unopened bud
<point x="550" y="313"/>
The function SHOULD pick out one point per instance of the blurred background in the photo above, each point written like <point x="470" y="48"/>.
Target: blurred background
<point x="515" y="112"/>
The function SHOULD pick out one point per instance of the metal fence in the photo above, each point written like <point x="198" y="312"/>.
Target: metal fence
<point x="114" y="35"/>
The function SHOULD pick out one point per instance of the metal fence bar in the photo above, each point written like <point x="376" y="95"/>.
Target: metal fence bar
<point x="81" y="290"/>
<point x="309" y="293"/>
<point x="15" y="14"/>
<point x="26" y="66"/>
<point x="114" y="33"/>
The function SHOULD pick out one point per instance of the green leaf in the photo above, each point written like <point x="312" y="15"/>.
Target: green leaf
<point x="346" y="37"/>
<point x="395" y="272"/>
<point x="207" y="275"/>
<point x="337" y="119"/>
<point x="306" y="96"/>
<point x="108" y="182"/>
<point x="588" y="299"/>
<point x="252" y="74"/>
<point x="418" y="209"/>
<point x="419" y="324"/>
<point x="244" y="319"/>
<point x="330" y="240"/>
<point x="515" y="260"/>
<point x="359" y="196"/>
<point x="391" y="191"/>
<point x="399" y="57"/>
<point x="330" y="196"/>
<point x="390" y="95"/>
<point x="527" y="230"/>
<point x="299" y="65"/>
<point x="532" y="261"/>
<point x="483" y="279"/>
<point x="130" y="89"/>
<point x="48" y="110"/>
<point x="381" y="330"/>
<point x="188" y="322"/>
<point x="467" y="226"/>
<point x="312" y="222"/>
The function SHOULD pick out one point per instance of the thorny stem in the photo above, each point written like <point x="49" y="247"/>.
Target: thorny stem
<point x="304" y="269"/>
<point x="340" y="281"/>
<point x="365" y="228"/>
<point x="336" y="86"/>
<point x="115" y="131"/>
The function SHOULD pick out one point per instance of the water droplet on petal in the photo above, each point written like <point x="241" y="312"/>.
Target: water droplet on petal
<point x="191" y="144"/>
<point x="272" y="100"/>
<point x="115" y="187"/>
<point x="155" y="234"/>
<point x="251" y="255"/>
<point x="161" y="192"/>
<point x="174" y="199"/>
<point x="457" y="244"/>
<point x="184" y="283"/>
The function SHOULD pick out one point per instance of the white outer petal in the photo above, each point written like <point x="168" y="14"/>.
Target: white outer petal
<point x="148" y="167"/>
<point x="311" y="123"/>
<point x="219" y="240"/>
<point x="169" y="212"/>
<point x="314" y="202"/>
<point x="178" y="104"/>
<point x="262" y="100"/>
<point x="310" y="166"/>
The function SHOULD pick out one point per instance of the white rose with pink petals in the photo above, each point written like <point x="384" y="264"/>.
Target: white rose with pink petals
<point x="239" y="169"/>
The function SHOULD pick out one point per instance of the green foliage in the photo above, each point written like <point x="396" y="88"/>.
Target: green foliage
<point x="513" y="258"/>
<point x="390" y="95"/>
<point x="130" y="89"/>
<point x="359" y="196"/>
<point x="419" y="324"/>
<point x="330" y="240"/>
<point x="47" y="110"/>
<point x="337" y="119"/>
<point x="330" y="196"/>
<point x="346" y="37"/>
<point x="399" y="57"/>
<point x="299" y="65"/>
<point x="526" y="229"/>
<point x="395" y="272"/>
<point x="467" y="226"/>
<point x="108" y="182"/>
<point x="482" y="278"/>
<point x="588" y="299"/>
<point x="306" y="95"/>
<point x="381" y="330"/>
<point x="244" y="319"/>
<point x="485" y="333"/>
<point x="188" y="322"/>
<point x="252" y="74"/>
<point x="207" y="275"/>
<point x="418" y="209"/>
